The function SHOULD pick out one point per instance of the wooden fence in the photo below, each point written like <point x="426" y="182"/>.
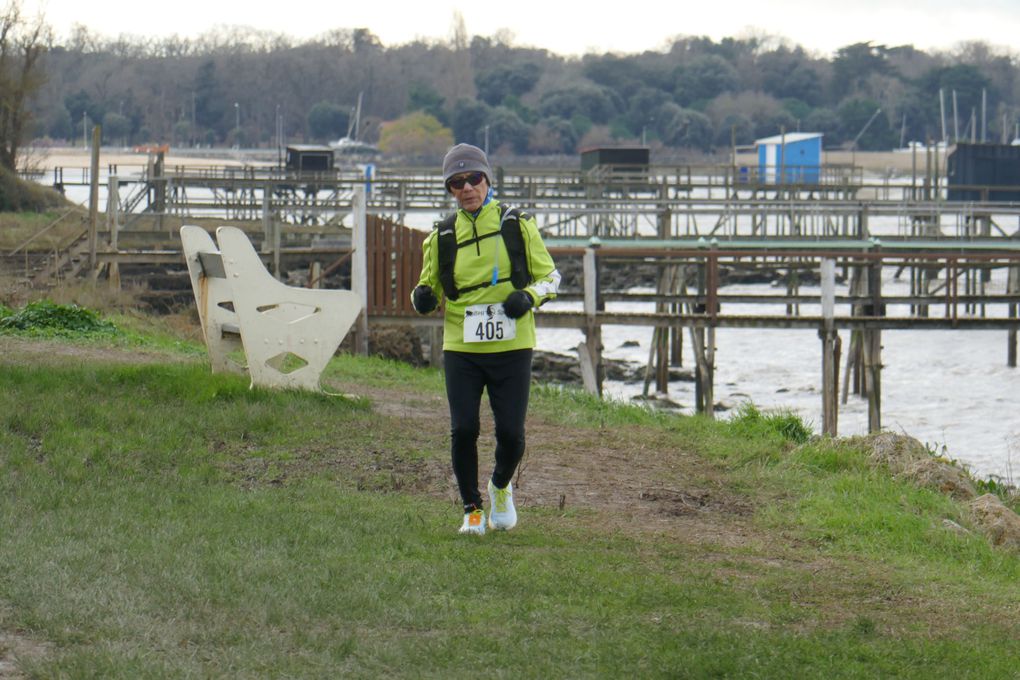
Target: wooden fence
<point x="394" y="265"/>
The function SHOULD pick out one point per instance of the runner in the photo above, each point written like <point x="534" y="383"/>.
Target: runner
<point x="490" y="265"/>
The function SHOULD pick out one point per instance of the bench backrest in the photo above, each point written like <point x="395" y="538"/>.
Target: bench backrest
<point x="288" y="334"/>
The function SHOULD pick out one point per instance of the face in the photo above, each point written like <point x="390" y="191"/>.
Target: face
<point x="469" y="196"/>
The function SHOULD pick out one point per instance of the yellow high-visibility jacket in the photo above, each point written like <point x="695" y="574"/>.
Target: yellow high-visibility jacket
<point x="475" y="264"/>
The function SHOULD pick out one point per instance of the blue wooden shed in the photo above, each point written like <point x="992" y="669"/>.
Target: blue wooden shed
<point x="793" y="158"/>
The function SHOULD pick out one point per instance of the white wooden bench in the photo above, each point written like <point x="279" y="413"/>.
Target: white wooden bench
<point x="287" y="334"/>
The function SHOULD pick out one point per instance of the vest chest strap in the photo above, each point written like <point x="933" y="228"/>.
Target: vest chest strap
<point x="513" y="240"/>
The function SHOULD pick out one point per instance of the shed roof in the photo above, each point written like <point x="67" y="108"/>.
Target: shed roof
<point x="309" y="147"/>
<point x="615" y="147"/>
<point x="788" y="138"/>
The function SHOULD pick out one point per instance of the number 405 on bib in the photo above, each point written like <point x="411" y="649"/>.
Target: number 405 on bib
<point x="488" y="323"/>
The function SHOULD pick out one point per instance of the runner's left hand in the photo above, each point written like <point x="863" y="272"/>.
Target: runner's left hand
<point x="517" y="304"/>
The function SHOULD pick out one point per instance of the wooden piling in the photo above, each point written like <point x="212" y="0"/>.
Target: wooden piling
<point x="158" y="185"/>
<point x="94" y="198"/>
<point x="662" y="360"/>
<point x="666" y="285"/>
<point x="270" y="230"/>
<point x="830" y="350"/>
<point x="1012" y="288"/>
<point x="703" y="339"/>
<point x="113" y="227"/>
<point x="113" y="210"/>
<point x="590" y="352"/>
<point x="1011" y="344"/>
<point x="676" y="347"/>
<point x="872" y="348"/>
<point x="873" y="376"/>
<point x="831" y="344"/>
<point x="853" y="376"/>
<point x="703" y="373"/>
<point x="359" y="267"/>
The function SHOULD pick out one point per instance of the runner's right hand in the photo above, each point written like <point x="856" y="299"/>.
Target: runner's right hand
<point x="424" y="300"/>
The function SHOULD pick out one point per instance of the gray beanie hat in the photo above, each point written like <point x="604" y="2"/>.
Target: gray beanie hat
<point x="465" y="158"/>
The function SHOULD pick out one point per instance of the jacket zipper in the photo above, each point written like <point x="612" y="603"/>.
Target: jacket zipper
<point x="474" y="232"/>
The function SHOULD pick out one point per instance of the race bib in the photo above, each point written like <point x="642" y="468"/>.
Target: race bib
<point x="488" y="323"/>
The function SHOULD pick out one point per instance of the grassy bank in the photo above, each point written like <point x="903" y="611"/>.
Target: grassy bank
<point x="157" y="521"/>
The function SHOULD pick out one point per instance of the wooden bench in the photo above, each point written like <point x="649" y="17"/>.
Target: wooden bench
<point x="287" y="334"/>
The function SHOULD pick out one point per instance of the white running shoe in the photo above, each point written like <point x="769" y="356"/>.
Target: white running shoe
<point x="502" y="514"/>
<point x="474" y="523"/>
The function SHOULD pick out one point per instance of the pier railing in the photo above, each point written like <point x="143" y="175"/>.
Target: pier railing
<point x="664" y="202"/>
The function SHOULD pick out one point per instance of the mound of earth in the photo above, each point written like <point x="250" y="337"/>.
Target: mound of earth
<point x="1000" y="524"/>
<point x="907" y="458"/>
<point x="17" y="195"/>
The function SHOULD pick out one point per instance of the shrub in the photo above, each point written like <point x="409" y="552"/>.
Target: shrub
<point x="48" y="318"/>
<point x="781" y="422"/>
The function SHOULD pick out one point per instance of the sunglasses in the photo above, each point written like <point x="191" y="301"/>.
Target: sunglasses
<point x="474" y="179"/>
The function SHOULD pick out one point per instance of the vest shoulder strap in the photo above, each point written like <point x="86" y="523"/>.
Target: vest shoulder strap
<point x="513" y="239"/>
<point x="446" y="241"/>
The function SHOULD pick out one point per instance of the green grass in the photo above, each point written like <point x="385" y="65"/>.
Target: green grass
<point x="159" y="521"/>
<point x="17" y="226"/>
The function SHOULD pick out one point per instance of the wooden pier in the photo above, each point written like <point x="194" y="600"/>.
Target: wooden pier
<point x="664" y="202"/>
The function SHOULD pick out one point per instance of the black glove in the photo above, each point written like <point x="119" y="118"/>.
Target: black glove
<point x="424" y="300"/>
<point x="517" y="304"/>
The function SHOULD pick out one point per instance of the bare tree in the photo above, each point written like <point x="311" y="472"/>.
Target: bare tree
<point x="456" y="74"/>
<point x="22" y="44"/>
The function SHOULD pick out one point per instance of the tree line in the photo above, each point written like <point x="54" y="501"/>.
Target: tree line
<point x="236" y="86"/>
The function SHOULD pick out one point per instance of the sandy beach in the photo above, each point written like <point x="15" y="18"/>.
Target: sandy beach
<point x="77" y="157"/>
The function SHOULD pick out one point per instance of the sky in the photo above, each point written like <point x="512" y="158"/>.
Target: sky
<point x="820" y="26"/>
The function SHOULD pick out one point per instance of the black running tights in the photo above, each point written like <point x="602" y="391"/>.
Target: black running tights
<point x="507" y="378"/>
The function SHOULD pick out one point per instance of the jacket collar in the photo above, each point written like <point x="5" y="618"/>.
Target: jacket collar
<point x="490" y="203"/>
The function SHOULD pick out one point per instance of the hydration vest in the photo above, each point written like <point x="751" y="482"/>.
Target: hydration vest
<point x="509" y="230"/>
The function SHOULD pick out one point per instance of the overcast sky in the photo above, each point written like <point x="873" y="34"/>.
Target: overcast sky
<point x="820" y="26"/>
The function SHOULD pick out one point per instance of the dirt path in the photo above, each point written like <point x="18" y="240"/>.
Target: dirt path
<point x="53" y="352"/>
<point x="632" y="478"/>
<point x="15" y="647"/>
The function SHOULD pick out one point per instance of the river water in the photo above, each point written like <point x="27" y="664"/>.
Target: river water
<point x="952" y="390"/>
